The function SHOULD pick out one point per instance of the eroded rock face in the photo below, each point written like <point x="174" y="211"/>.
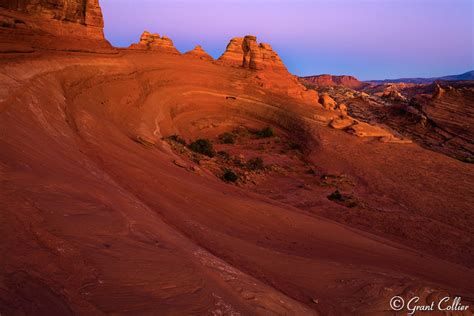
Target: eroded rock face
<point x="153" y="41"/>
<point x="394" y="95"/>
<point x="53" y="24"/>
<point x="234" y="53"/>
<point x="324" y="81"/>
<point x="199" y="52"/>
<point x="247" y="53"/>
<point x="327" y="102"/>
<point x="86" y="12"/>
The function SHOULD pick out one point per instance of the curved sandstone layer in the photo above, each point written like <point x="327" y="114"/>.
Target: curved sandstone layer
<point x="105" y="211"/>
<point x="100" y="215"/>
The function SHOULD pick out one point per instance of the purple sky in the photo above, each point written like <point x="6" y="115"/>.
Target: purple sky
<point x="371" y="39"/>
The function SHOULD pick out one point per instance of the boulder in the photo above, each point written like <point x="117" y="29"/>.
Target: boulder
<point x="362" y="129"/>
<point x="342" y="109"/>
<point x="341" y="122"/>
<point x="394" y="95"/>
<point x="327" y="102"/>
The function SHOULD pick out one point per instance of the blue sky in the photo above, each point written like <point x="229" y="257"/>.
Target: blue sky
<point x="371" y="39"/>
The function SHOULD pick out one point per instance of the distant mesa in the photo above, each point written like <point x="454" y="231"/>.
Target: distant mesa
<point x="246" y="52"/>
<point x="149" y="41"/>
<point x="199" y="52"/>
<point x="462" y="77"/>
<point x="324" y="81"/>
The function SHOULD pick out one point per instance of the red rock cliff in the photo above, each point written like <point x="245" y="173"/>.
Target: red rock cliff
<point x="322" y="81"/>
<point x="54" y="24"/>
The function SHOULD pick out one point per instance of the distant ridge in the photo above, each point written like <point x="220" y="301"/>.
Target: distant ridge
<point x="465" y="76"/>
<point x="322" y="81"/>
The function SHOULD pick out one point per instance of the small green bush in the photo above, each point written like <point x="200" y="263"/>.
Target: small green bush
<point x="255" y="164"/>
<point x="294" y="146"/>
<point x="467" y="159"/>
<point x="336" y="196"/>
<point x="224" y="154"/>
<point x="203" y="146"/>
<point x="266" y="132"/>
<point x="178" y="139"/>
<point x="227" y="138"/>
<point x="230" y="176"/>
<point x="237" y="162"/>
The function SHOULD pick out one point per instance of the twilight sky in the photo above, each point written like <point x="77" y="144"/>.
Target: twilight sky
<point x="371" y="39"/>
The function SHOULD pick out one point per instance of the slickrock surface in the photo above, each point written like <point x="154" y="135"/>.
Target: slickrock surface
<point x="155" y="42"/>
<point x="101" y="215"/>
<point x="106" y="208"/>
<point x="199" y="52"/>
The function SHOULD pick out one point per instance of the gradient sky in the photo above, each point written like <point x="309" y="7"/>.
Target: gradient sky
<point x="371" y="39"/>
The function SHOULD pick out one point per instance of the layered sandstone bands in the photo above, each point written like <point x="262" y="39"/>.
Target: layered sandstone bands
<point x="247" y="53"/>
<point x="53" y="24"/>
<point x="199" y="52"/>
<point x="153" y="41"/>
<point x="324" y="81"/>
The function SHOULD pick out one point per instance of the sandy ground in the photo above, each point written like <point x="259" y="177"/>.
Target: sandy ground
<point x="95" y="222"/>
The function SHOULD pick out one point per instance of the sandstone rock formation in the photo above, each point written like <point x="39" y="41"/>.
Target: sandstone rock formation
<point x="155" y="42"/>
<point x="234" y="54"/>
<point x="199" y="52"/>
<point x="247" y="53"/>
<point x="394" y="95"/>
<point x="439" y="92"/>
<point x="342" y="122"/>
<point x="100" y="214"/>
<point x="327" y="102"/>
<point x="324" y="81"/>
<point x="54" y="24"/>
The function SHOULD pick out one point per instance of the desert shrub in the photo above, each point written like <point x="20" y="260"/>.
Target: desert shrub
<point x="178" y="139"/>
<point x="202" y="146"/>
<point x="238" y="162"/>
<point x="347" y="201"/>
<point x="223" y="154"/>
<point x="467" y="159"/>
<point x="227" y="138"/>
<point x="229" y="176"/>
<point x="266" y="132"/>
<point x="255" y="164"/>
<point x="336" y="196"/>
<point x="294" y="145"/>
